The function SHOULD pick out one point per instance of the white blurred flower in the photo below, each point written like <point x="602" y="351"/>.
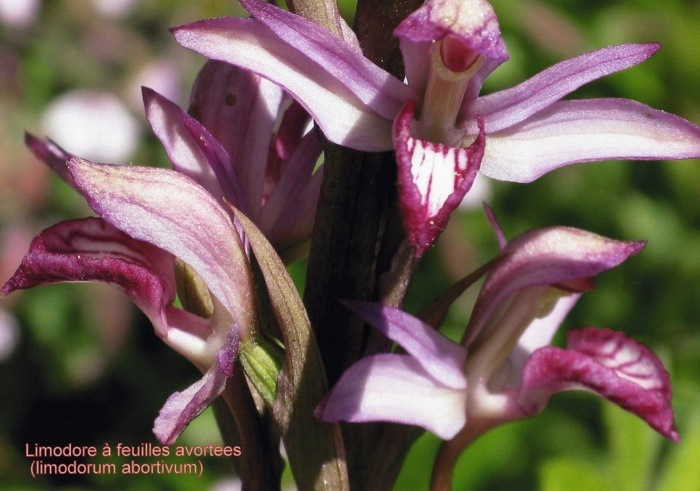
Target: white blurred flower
<point x="92" y="124"/>
<point x="18" y="13"/>
<point x="161" y="76"/>
<point x="479" y="192"/>
<point x="115" y="9"/>
<point x="9" y="334"/>
<point x="229" y="484"/>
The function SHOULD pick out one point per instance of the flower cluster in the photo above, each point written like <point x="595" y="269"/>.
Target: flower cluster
<point x="241" y="199"/>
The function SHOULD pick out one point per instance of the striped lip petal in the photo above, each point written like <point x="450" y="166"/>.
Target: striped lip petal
<point x="611" y="365"/>
<point x="92" y="250"/>
<point x="432" y="179"/>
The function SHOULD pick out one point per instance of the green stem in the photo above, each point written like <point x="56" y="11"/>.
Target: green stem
<point x="261" y="466"/>
<point x="341" y="261"/>
<point x="450" y="451"/>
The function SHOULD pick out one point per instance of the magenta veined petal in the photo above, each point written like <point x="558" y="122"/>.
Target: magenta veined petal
<point x="508" y="107"/>
<point x="93" y="250"/>
<point x="605" y="362"/>
<point x="395" y="388"/>
<point x="584" y="131"/>
<point x="432" y="179"/>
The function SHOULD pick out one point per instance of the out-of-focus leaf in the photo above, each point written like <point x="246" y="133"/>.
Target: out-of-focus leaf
<point x="634" y="448"/>
<point x="315" y="449"/>
<point x="567" y="474"/>
<point x="682" y="471"/>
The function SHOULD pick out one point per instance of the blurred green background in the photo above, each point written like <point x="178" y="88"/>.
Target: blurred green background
<point x="78" y="364"/>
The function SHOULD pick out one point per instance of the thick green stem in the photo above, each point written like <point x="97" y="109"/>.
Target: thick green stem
<point x="341" y="262"/>
<point x="261" y="466"/>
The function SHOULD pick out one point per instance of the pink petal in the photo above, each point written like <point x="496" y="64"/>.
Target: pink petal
<point x="506" y="108"/>
<point x="172" y="212"/>
<point x="93" y="250"/>
<point x="169" y="123"/>
<point x="289" y="213"/>
<point x="587" y="130"/>
<point x="51" y="154"/>
<point x="611" y="365"/>
<point x="239" y="109"/>
<point x="351" y="99"/>
<point x="439" y="357"/>
<point x="432" y="179"/>
<point x="182" y="407"/>
<point x="542" y="257"/>
<point x="395" y="388"/>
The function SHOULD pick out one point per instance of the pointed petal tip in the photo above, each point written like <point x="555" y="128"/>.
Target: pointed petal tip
<point x="147" y="93"/>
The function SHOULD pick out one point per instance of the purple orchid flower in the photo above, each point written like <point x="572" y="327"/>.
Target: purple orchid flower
<point x="443" y="132"/>
<point x="248" y="143"/>
<point x="505" y="369"/>
<point x="134" y="243"/>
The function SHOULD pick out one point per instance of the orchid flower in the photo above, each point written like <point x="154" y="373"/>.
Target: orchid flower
<point x="505" y="368"/>
<point x="147" y="218"/>
<point x="246" y="142"/>
<point x="443" y="132"/>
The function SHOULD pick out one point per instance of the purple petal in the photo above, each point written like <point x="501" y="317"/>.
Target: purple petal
<point x="498" y="231"/>
<point x="51" y="154"/>
<point x="93" y="250"/>
<point x="508" y="107"/>
<point x="587" y="130"/>
<point x="395" y="388"/>
<point x="171" y="211"/>
<point x="240" y="110"/>
<point x="543" y="257"/>
<point x="351" y="99"/>
<point x="170" y="125"/>
<point x="473" y="22"/>
<point x="289" y="212"/>
<point x="182" y="407"/>
<point x="432" y="180"/>
<point x="611" y="365"/>
<point x="439" y="357"/>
